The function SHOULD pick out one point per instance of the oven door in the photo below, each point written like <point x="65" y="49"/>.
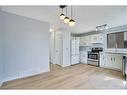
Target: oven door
<point x="93" y="59"/>
<point x="93" y="62"/>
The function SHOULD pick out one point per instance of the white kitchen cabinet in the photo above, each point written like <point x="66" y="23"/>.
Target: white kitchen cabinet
<point x="110" y="60"/>
<point x="118" y="61"/>
<point x="102" y="59"/>
<point x="82" y="41"/>
<point x="83" y="57"/>
<point x="85" y="40"/>
<point x="96" y="38"/>
<point x="100" y="38"/>
<point x="90" y="39"/>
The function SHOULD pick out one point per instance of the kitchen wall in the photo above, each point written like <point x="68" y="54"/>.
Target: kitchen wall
<point x="88" y="48"/>
<point x="26" y="46"/>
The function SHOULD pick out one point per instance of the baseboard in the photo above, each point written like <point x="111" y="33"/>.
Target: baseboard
<point x="110" y="68"/>
<point x="25" y="74"/>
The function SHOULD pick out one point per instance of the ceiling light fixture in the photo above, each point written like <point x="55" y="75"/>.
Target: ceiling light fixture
<point x="66" y="19"/>
<point x="62" y="16"/>
<point x="102" y="27"/>
<point x="71" y="22"/>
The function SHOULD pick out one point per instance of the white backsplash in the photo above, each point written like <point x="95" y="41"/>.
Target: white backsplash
<point x="88" y="48"/>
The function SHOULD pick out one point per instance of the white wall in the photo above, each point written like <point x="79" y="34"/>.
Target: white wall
<point x="1" y="49"/>
<point x="26" y="46"/>
<point x="52" y="46"/>
<point x="66" y="47"/>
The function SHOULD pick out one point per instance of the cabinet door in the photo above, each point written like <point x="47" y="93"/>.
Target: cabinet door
<point x="114" y="61"/>
<point x="100" y="38"/>
<point x="83" y="41"/>
<point x="87" y="39"/>
<point x="102" y="59"/>
<point x="83" y="57"/>
<point x="117" y="62"/>
<point x="109" y="61"/>
<point x="111" y="40"/>
<point x="93" y="38"/>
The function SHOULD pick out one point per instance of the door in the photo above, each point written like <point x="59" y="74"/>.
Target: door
<point x="94" y="38"/>
<point x="100" y="38"/>
<point x="114" y="61"/>
<point x="109" y="61"/>
<point x="83" y="41"/>
<point x="102" y="59"/>
<point x="118" y="61"/>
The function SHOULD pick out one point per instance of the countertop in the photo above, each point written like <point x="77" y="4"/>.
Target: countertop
<point x="115" y="52"/>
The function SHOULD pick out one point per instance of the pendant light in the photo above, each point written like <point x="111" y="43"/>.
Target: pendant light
<point x="66" y="19"/>
<point x="71" y="22"/>
<point x="62" y="16"/>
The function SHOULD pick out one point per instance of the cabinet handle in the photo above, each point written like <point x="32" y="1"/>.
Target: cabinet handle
<point x="114" y="59"/>
<point x="111" y="58"/>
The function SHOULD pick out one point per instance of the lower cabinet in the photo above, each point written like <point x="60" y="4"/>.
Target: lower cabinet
<point x="112" y="61"/>
<point x="102" y="61"/>
<point x="83" y="57"/>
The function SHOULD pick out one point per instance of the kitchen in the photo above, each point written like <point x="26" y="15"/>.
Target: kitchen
<point x="106" y="48"/>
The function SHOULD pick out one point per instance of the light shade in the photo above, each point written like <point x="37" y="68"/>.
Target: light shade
<point x="62" y="16"/>
<point x="71" y="22"/>
<point x="66" y="19"/>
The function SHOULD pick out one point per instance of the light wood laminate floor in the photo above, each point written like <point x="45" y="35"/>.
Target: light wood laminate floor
<point x="79" y="76"/>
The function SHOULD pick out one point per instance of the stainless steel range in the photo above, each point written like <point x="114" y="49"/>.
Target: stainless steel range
<point x="93" y="56"/>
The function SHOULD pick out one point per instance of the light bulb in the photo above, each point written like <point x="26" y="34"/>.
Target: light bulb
<point x="62" y="16"/>
<point x="66" y="19"/>
<point x="71" y="22"/>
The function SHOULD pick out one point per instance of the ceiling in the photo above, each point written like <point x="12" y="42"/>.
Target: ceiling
<point x="87" y="17"/>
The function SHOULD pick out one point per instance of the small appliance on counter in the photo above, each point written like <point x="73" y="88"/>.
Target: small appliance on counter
<point x="93" y="56"/>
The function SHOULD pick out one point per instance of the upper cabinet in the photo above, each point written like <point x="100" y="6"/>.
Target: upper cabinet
<point x="96" y="38"/>
<point x="84" y="41"/>
<point x="90" y="39"/>
<point x="117" y="40"/>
